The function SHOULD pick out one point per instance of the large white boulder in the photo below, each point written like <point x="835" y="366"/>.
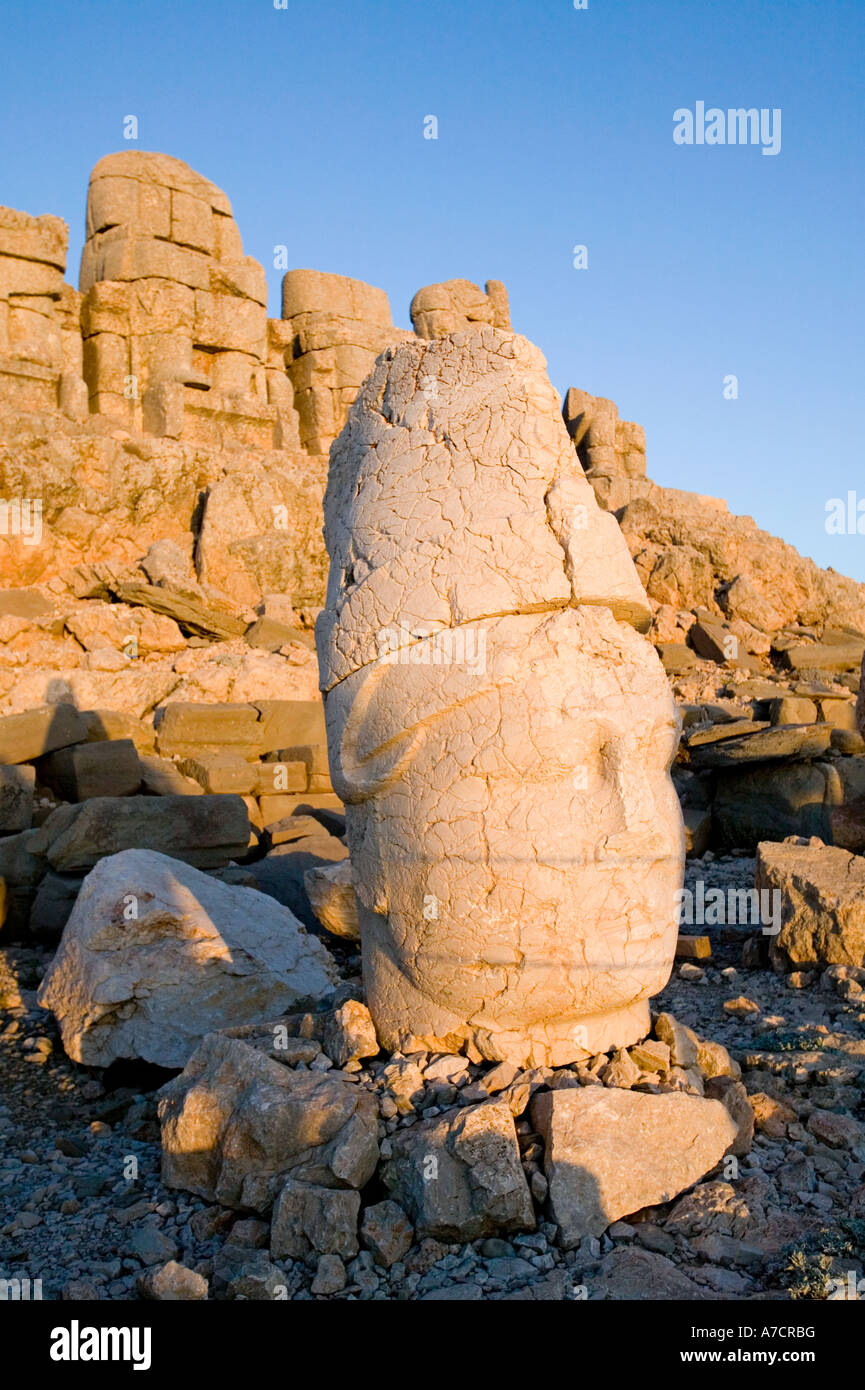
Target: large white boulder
<point x="156" y="954"/>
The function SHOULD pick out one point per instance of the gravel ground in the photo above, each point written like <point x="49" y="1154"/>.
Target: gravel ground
<point x="82" y="1208"/>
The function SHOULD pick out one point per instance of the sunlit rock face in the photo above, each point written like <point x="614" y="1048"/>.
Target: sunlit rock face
<point x="499" y="730"/>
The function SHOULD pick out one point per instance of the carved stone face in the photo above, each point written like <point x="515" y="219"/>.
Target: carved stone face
<point x="515" y="836"/>
<point x="517" y="843"/>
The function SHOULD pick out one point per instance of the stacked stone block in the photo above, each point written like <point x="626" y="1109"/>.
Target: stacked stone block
<point x="40" y="337"/>
<point x="612" y="451"/>
<point x="93" y="774"/>
<point x="174" y="315"/>
<point x="332" y="330"/>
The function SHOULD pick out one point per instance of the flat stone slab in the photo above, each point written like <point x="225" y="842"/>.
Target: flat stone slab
<point x="193" y="616"/>
<point x="92" y="769"/>
<point x="38" y="731"/>
<point x="610" y="1152"/>
<point x="274" y="779"/>
<point x="760" y="690"/>
<point x="778" y="743"/>
<point x="825" y="656"/>
<point x="717" y="733"/>
<point x="203" y="831"/>
<point x="187" y="730"/>
<point x="221" y="772"/>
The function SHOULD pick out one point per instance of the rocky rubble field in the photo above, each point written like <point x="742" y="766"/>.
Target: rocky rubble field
<point x="95" y="1208"/>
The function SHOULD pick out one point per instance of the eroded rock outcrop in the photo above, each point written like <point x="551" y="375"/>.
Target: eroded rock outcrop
<point x="169" y="339"/>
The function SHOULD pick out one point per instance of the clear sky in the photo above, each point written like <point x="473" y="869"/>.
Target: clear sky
<point x="555" y="129"/>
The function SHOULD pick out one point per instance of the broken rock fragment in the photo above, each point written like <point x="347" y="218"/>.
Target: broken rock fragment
<point x="821" y="893"/>
<point x="349" y="1033"/>
<point x="459" y="1177"/>
<point x="156" y="954"/>
<point x="610" y="1152"/>
<point x="307" y="1218"/>
<point x="235" y="1124"/>
<point x="330" y="889"/>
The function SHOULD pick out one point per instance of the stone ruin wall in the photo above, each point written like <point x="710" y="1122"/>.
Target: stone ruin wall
<point x="168" y="332"/>
<point x="168" y="339"/>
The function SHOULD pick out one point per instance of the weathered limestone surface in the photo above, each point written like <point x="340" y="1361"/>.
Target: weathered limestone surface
<point x="500" y="733"/>
<point x="331" y="894"/>
<point x="331" y="332"/>
<point x="156" y="954"/>
<point x="437" y="310"/>
<point x="235" y="1124"/>
<point x="822" y="895"/>
<point x="689" y="548"/>
<point x="170" y="333"/>
<point x="171" y="304"/>
<point x="607" y="447"/>
<point x="459" y="1175"/>
<point x="40" y="336"/>
<point x="205" y="832"/>
<point x="611" y="1152"/>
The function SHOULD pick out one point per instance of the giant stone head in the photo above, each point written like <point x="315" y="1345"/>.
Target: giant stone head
<point x="498" y="728"/>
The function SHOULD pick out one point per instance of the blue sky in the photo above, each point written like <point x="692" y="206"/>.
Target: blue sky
<point x="555" y="130"/>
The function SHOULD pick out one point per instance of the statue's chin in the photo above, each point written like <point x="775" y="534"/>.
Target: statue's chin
<point x="585" y="967"/>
